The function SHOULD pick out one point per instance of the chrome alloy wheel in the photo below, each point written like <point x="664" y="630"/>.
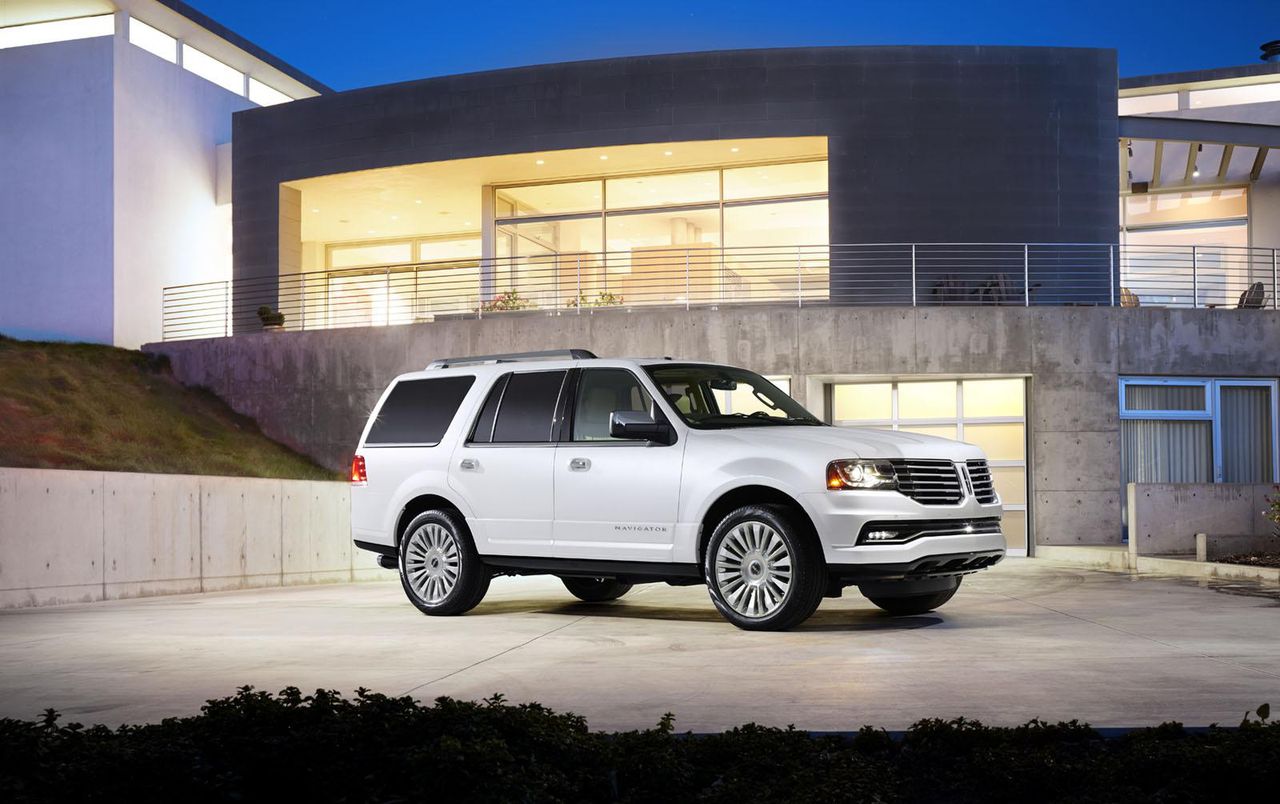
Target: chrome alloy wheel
<point x="753" y="569"/>
<point x="432" y="562"/>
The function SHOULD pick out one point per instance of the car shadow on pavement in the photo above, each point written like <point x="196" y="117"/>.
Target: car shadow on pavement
<point x="829" y="620"/>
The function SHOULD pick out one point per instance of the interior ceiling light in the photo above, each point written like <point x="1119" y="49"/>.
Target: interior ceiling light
<point x="666" y="153"/>
<point x="540" y="162"/>
<point x="734" y="150"/>
<point x="417" y="200"/>
<point x="603" y="157"/>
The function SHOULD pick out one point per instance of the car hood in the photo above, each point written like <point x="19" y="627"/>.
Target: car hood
<point x="846" y="442"/>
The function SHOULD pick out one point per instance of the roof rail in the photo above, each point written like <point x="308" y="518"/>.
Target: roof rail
<point x="513" y="357"/>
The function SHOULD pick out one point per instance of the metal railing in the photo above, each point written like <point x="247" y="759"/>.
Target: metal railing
<point x="916" y="275"/>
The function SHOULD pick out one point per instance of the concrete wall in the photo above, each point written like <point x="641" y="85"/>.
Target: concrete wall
<point x="170" y="228"/>
<point x="1165" y="517"/>
<point x="56" y="190"/>
<point x="74" y="537"/>
<point x="313" y="390"/>
<point x="926" y="144"/>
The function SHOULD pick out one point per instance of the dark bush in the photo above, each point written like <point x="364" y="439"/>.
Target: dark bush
<point x="257" y="746"/>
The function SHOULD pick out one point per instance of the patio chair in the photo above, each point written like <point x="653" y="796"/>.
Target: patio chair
<point x="1129" y="299"/>
<point x="1254" y="298"/>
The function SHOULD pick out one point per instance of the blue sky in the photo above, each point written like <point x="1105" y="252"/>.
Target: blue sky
<point x="347" y="45"/>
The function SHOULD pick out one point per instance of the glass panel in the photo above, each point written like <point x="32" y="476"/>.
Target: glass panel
<point x="1166" y="451"/>
<point x="419" y="411"/>
<point x="1166" y="397"/>
<point x="548" y="258"/>
<point x="462" y="248"/>
<point x="665" y="190"/>
<point x="364" y="299"/>
<point x="1148" y="104"/>
<point x="40" y="33"/>
<point x="1235" y="96"/>
<point x="992" y="398"/>
<point x="1011" y="483"/>
<point x="927" y="400"/>
<point x="862" y="401"/>
<point x="1001" y="442"/>
<point x="772" y="181"/>
<point x="1014" y="525"/>
<point x="210" y="69"/>
<point x="551" y="199"/>
<point x="443" y="290"/>
<point x="940" y="432"/>
<point x="665" y="257"/>
<point x="372" y="254"/>
<point x="1246" y="434"/>
<point x="528" y="408"/>
<point x="600" y="393"/>
<point x="743" y="399"/>
<point x="153" y="41"/>
<point x="1149" y="209"/>
<point x="768" y="244"/>
<point x="264" y="95"/>
<point x="1157" y="266"/>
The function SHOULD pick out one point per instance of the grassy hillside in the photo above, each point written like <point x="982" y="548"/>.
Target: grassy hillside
<point x="82" y="406"/>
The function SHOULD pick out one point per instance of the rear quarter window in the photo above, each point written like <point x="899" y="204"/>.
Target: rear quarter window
<point x="418" y="411"/>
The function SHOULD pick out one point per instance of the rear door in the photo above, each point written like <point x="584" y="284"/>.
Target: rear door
<point x="615" y="499"/>
<point x="504" y="468"/>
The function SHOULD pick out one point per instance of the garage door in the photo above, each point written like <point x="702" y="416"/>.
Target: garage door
<point x="988" y="412"/>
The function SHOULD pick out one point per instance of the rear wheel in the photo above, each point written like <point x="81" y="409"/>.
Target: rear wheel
<point x="907" y="605"/>
<point x="762" y="569"/>
<point x="596" y="590"/>
<point x="439" y="568"/>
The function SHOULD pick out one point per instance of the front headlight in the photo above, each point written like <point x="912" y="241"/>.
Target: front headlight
<point x="859" y="474"/>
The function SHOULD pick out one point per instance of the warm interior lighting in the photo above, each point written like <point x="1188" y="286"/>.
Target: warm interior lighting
<point x="42" y="33"/>
<point x="264" y="95"/>
<point x="603" y="157"/>
<point x="210" y="69"/>
<point x="540" y="162"/>
<point x="1148" y="104"/>
<point x="1235" y="96"/>
<point x="153" y="41"/>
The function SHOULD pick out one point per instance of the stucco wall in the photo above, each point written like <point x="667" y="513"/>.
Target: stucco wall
<point x="75" y="537"/>
<point x="55" y="190"/>
<point x="314" y="390"/>
<point x="169" y="227"/>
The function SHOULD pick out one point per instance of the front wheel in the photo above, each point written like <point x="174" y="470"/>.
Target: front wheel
<point x="439" y="568"/>
<point x="596" y="590"/>
<point x="763" y="570"/>
<point x="908" y="605"/>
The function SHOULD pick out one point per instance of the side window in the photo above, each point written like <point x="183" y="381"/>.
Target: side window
<point x="601" y="392"/>
<point x="418" y="411"/>
<point x="528" y="408"/>
<point x="483" y="430"/>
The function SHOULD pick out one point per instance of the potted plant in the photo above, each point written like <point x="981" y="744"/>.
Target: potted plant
<point x="272" y="320"/>
<point x="605" y="299"/>
<point x="507" y="300"/>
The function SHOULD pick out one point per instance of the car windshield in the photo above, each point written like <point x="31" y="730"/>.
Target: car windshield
<point x="716" y="397"/>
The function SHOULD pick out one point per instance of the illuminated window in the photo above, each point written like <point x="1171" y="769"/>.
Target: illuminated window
<point x="671" y="189"/>
<point x="1148" y="104"/>
<point x="1235" y="96"/>
<point x="210" y="69"/>
<point x="772" y="181"/>
<point x="264" y="95"/>
<point x="153" y="41"/>
<point x="41" y="33"/>
<point x="371" y="254"/>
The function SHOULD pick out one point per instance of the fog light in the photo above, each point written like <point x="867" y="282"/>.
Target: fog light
<point x="880" y="536"/>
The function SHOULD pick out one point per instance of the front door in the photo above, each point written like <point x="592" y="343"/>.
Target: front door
<point x="614" y="499"/>
<point x="504" y="470"/>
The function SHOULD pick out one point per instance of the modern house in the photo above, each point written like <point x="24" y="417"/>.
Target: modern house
<point x="1007" y="245"/>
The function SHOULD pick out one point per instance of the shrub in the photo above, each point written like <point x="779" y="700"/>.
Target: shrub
<point x="257" y="746"/>
<point x="604" y="299"/>
<point x="507" y="300"/>
<point x="269" y="317"/>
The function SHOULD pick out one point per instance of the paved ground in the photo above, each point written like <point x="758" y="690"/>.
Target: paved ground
<point x="1028" y="639"/>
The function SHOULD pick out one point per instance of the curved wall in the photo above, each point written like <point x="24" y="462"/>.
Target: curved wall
<point x="926" y="144"/>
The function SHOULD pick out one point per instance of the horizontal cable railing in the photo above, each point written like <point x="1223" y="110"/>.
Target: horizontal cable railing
<point x="916" y="275"/>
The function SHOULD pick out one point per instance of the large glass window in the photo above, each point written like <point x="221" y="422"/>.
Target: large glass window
<point x="990" y="413"/>
<point x="695" y="236"/>
<point x="1176" y="430"/>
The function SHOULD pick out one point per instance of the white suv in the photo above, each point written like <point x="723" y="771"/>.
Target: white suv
<point x="609" y="473"/>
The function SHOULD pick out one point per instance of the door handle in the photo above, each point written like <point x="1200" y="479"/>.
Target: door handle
<point x="579" y="465"/>
<point x="468" y="463"/>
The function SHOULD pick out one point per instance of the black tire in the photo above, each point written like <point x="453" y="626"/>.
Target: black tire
<point x="471" y="579"/>
<point x="909" y="605"/>
<point x="808" y="574"/>
<point x="596" y="590"/>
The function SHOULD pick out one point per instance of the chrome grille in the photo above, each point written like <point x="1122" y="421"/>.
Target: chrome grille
<point x="929" y="482"/>
<point x="984" y="489"/>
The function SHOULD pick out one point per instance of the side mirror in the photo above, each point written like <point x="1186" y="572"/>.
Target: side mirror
<point x="639" y="426"/>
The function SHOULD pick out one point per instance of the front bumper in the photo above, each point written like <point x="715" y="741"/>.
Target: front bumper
<point x="839" y="517"/>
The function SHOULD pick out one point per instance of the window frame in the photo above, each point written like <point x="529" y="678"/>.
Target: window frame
<point x="1211" y="413"/>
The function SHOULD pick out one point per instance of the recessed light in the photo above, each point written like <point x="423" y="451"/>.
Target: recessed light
<point x="373" y="231"/>
<point x="540" y="162"/>
<point x="666" y="153"/>
<point x="733" y="150"/>
<point x="466" y="223"/>
<point x="417" y="200"/>
<point x="315" y="209"/>
<point x="395" y="217"/>
<point x="603" y="157"/>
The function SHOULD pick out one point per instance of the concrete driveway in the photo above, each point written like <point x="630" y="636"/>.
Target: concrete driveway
<point x="1027" y="639"/>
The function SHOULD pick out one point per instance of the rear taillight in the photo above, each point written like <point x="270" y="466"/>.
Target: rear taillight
<point x="359" y="477"/>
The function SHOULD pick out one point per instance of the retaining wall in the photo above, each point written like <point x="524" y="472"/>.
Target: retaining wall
<point x="1164" y="518"/>
<point x="74" y="537"/>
